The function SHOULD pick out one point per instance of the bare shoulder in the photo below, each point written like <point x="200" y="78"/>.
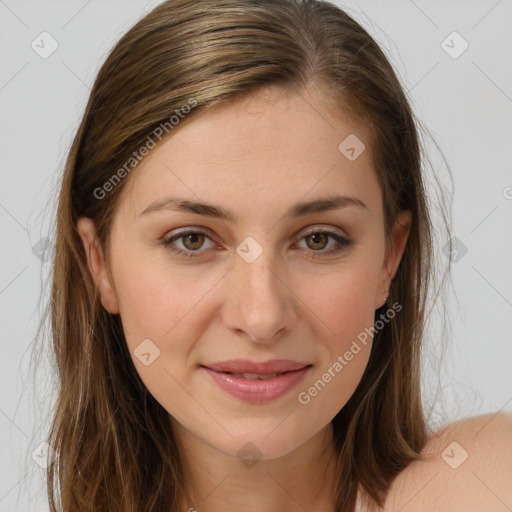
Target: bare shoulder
<point x="466" y="466"/>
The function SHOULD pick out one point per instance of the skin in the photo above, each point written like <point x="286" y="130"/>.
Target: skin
<point x="257" y="156"/>
<point x="447" y="480"/>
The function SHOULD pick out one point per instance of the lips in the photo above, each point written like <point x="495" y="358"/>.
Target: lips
<point x="257" y="388"/>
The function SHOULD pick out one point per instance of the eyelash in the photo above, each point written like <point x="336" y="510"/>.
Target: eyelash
<point x="342" y="243"/>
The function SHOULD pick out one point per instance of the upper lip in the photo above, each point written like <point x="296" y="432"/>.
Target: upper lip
<point x="259" y="368"/>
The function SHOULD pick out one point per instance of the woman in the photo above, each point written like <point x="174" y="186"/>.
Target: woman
<point x="244" y="251"/>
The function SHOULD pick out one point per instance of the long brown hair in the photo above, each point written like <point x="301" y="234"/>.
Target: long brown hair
<point x="114" y="442"/>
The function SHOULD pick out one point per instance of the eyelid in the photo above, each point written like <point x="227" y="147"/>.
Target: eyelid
<point x="188" y="229"/>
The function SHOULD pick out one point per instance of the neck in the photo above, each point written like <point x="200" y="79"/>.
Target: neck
<point x="301" y="480"/>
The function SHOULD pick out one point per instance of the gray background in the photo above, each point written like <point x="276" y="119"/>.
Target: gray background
<point x="465" y="102"/>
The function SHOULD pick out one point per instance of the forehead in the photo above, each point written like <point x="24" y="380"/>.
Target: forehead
<point x="268" y="148"/>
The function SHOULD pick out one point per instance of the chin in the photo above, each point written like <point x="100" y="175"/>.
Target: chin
<point x="263" y="442"/>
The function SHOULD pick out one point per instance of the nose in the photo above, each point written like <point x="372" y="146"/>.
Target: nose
<point x="261" y="306"/>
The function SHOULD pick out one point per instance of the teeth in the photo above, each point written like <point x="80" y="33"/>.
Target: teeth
<point x="254" y="376"/>
<point x="250" y="376"/>
<point x="264" y="377"/>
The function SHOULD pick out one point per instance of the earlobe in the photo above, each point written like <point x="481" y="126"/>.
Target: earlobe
<point x="400" y="236"/>
<point x="96" y="264"/>
<point x="394" y="255"/>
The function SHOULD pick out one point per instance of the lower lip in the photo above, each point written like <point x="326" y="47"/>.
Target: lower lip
<point x="257" y="391"/>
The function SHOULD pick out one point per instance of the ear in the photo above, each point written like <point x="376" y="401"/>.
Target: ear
<point x="96" y="263"/>
<point x="394" y="255"/>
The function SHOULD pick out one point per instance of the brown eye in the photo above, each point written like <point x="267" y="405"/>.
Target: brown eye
<point x="193" y="241"/>
<point x="319" y="240"/>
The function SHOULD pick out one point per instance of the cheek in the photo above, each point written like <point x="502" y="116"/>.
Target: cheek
<point x="344" y="302"/>
<point x="161" y="318"/>
<point x="344" y="361"/>
<point x="156" y="303"/>
<point x="345" y="306"/>
<point x="171" y="309"/>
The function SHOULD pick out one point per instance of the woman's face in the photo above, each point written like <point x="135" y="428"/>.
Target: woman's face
<point x="269" y="281"/>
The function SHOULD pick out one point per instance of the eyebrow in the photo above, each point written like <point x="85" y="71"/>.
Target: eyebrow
<point x="333" y="202"/>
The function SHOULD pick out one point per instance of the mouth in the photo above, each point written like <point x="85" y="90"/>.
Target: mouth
<point x="257" y="388"/>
